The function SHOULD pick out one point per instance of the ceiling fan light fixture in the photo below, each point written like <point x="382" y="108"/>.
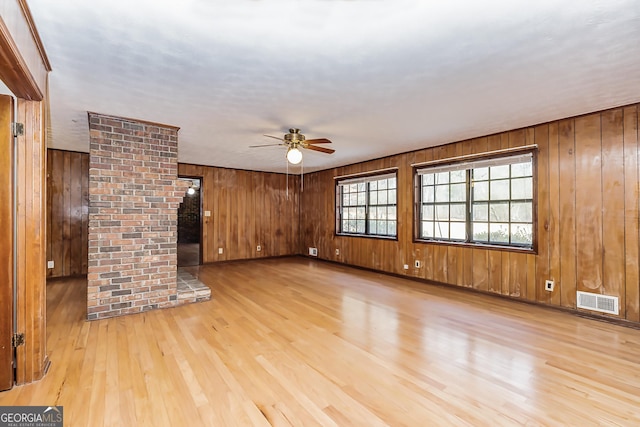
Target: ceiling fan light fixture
<point x="294" y="156"/>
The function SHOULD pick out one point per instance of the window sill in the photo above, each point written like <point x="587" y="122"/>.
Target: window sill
<point x="368" y="236"/>
<point x="487" y="246"/>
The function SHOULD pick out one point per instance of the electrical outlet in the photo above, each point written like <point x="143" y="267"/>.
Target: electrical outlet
<point x="207" y="213"/>
<point x="50" y="264"/>
<point x="258" y="248"/>
<point x="313" y="251"/>
<point x="549" y="285"/>
<point x="418" y="264"/>
<point x="337" y="251"/>
<point x="406" y="266"/>
<point x="220" y="250"/>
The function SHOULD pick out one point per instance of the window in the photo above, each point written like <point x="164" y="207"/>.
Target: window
<point x="367" y="206"/>
<point x="486" y="201"/>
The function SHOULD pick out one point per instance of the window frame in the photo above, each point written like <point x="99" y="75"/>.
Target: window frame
<point x="467" y="163"/>
<point x="365" y="178"/>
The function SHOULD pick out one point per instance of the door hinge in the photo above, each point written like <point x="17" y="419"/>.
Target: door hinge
<point x="17" y="340"/>
<point x="18" y="129"/>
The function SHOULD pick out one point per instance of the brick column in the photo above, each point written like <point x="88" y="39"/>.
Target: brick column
<point x="134" y="195"/>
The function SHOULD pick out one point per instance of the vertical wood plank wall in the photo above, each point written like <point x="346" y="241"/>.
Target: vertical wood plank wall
<point x="247" y="209"/>
<point x="67" y="212"/>
<point x="587" y="195"/>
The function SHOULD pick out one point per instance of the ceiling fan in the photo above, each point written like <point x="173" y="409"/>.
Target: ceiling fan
<point x="294" y="140"/>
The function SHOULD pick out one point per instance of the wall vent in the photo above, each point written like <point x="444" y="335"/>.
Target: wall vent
<point x="598" y="302"/>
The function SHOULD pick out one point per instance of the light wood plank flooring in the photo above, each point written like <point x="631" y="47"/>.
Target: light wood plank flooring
<point x="301" y="342"/>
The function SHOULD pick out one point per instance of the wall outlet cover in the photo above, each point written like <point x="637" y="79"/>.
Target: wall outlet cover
<point x="549" y="285"/>
<point x="313" y="251"/>
<point x="50" y="264"/>
<point x="337" y="251"/>
<point x="207" y="213"/>
<point x="220" y="250"/>
<point x="258" y="248"/>
<point x="406" y="266"/>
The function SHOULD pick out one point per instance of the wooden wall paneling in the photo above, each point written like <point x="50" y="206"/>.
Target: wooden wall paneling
<point x="532" y="262"/>
<point x="504" y="140"/>
<point x="567" y="193"/>
<point x="542" y="140"/>
<point x="631" y="117"/>
<point x="209" y="223"/>
<point x="480" y="269"/>
<point x="613" y="212"/>
<point x="277" y="225"/>
<point x="234" y="248"/>
<point x="84" y="224"/>
<point x="554" y="215"/>
<point x="495" y="271"/>
<point x="505" y="274"/>
<point x="31" y="358"/>
<point x="224" y="208"/>
<point x="262" y="218"/>
<point x="75" y="215"/>
<point x="294" y="213"/>
<point x="284" y="216"/>
<point x="55" y="195"/>
<point x="517" y="138"/>
<point x="589" y="203"/>
<point x="245" y="212"/>
<point x="253" y="225"/>
<point x="49" y="243"/>
<point x="518" y="274"/>
<point x="66" y="212"/>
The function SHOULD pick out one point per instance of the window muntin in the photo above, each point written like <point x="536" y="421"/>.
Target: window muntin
<point x="368" y="206"/>
<point x="486" y="201"/>
<point x="444" y="205"/>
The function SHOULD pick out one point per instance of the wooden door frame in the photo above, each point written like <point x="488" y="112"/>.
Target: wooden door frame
<point x="24" y="68"/>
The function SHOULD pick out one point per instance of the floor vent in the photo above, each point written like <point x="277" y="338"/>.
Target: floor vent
<point x="598" y="302"/>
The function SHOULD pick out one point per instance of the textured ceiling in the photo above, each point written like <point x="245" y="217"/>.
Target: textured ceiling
<point x="375" y="77"/>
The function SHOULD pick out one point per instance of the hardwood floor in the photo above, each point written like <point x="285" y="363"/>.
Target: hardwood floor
<point x="302" y="342"/>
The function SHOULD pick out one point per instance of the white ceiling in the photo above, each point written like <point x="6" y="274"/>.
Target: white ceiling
<point x="376" y="77"/>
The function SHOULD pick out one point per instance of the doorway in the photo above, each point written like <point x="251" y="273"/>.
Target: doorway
<point x="190" y="225"/>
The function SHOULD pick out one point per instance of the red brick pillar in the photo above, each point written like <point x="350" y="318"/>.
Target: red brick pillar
<point x="134" y="195"/>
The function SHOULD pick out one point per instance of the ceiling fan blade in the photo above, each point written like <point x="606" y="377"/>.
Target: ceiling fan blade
<point x="318" y="141"/>
<point x="320" y="149"/>
<point x="275" y="137"/>
<point x="265" y="145"/>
